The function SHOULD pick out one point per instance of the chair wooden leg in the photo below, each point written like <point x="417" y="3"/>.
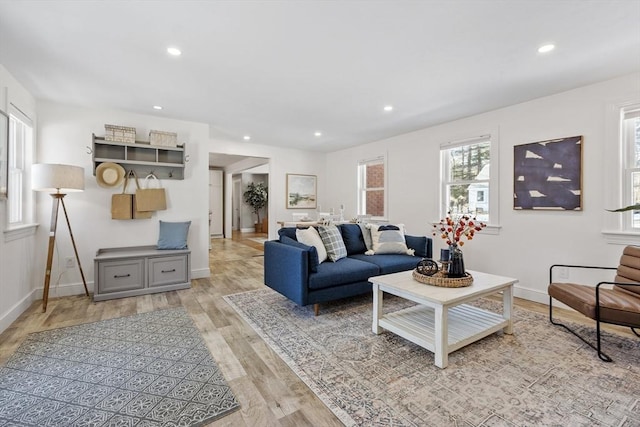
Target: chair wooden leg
<point x="316" y="309"/>
<point x="601" y="354"/>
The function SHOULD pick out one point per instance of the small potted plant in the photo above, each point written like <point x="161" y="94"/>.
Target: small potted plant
<point x="256" y="197"/>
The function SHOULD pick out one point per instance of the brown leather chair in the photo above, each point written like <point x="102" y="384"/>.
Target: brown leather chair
<point x="618" y="304"/>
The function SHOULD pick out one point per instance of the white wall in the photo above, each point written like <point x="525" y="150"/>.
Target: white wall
<point x="65" y="137"/>
<point x="17" y="277"/>
<point x="529" y="241"/>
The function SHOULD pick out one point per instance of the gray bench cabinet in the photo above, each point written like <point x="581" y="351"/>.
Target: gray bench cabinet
<point x="139" y="270"/>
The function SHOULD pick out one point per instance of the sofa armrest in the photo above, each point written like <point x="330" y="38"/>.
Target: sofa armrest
<point x="421" y="244"/>
<point x="286" y="270"/>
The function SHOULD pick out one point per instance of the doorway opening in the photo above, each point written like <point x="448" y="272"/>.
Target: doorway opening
<point x="229" y="176"/>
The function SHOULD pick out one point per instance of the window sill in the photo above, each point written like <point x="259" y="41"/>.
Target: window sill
<point x="20" y="232"/>
<point x="493" y="229"/>
<point x="617" y="237"/>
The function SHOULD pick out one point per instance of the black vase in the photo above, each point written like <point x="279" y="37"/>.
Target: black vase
<point x="456" y="266"/>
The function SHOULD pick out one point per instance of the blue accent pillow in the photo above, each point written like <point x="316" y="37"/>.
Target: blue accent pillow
<point x="353" y="239"/>
<point x="313" y="252"/>
<point x="290" y="232"/>
<point x="419" y="244"/>
<point x="173" y="235"/>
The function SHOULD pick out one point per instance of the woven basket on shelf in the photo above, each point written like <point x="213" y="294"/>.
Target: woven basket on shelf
<point x="439" y="279"/>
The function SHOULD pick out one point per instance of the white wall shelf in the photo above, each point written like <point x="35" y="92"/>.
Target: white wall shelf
<point x="142" y="157"/>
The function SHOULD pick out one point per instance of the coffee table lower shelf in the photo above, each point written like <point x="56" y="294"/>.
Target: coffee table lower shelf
<point x="466" y="324"/>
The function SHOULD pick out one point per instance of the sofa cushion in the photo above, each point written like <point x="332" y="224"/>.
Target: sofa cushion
<point x="333" y="242"/>
<point x="366" y="236"/>
<point x="341" y="272"/>
<point x="388" y="239"/>
<point x="353" y="239"/>
<point x="417" y="243"/>
<point x="310" y="237"/>
<point x="290" y="232"/>
<point x="311" y="250"/>
<point x="389" y="263"/>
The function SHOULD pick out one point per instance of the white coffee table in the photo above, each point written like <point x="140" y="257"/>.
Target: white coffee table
<point x="442" y="322"/>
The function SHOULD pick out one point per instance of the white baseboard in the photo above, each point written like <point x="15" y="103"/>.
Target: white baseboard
<point x="531" y="295"/>
<point x="248" y="230"/>
<point x="200" y="273"/>
<point x="6" y="319"/>
<point x="67" y="289"/>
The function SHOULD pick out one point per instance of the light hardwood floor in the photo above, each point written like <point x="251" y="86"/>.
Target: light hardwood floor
<point x="270" y="394"/>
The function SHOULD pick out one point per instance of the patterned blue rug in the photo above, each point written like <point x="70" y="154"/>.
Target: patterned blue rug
<point x="150" y="369"/>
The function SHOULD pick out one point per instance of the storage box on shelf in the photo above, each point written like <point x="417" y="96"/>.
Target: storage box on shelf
<point x="130" y="271"/>
<point x="142" y="157"/>
<point x="165" y="139"/>
<point x="119" y="133"/>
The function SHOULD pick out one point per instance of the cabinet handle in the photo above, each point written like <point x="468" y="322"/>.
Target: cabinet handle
<point x="169" y="271"/>
<point x="120" y="276"/>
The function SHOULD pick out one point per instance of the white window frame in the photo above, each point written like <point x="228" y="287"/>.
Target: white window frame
<point x="24" y="225"/>
<point x="627" y="142"/>
<point x="616" y="226"/>
<point x="493" y="224"/>
<point x="362" y="189"/>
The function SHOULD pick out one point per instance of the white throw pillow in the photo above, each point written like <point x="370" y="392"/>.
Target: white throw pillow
<point x="310" y="237"/>
<point x="388" y="241"/>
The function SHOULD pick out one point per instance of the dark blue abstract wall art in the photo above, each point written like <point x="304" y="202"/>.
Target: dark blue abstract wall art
<point x="548" y="174"/>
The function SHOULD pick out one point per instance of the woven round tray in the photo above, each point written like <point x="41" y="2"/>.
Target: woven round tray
<point x="439" y="279"/>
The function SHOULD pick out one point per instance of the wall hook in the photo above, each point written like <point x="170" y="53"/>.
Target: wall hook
<point x="89" y="150"/>
<point x="171" y="173"/>
<point x="186" y="158"/>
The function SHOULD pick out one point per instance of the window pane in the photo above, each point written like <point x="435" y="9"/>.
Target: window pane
<point x="469" y="199"/>
<point x="375" y="175"/>
<point x="371" y="188"/>
<point x="635" y="126"/>
<point x="466" y="162"/>
<point x="635" y="177"/>
<point x="374" y="202"/>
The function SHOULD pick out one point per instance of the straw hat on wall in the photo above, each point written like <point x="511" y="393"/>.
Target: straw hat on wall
<point x="109" y="174"/>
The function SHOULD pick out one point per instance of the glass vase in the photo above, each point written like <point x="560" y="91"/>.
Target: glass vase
<point x="456" y="264"/>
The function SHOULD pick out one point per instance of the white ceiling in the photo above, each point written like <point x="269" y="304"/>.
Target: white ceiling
<point x="281" y="70"/>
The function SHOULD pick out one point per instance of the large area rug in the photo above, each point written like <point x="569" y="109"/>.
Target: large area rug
<point x="540" y="376"/>
<point x="150" y="369"/>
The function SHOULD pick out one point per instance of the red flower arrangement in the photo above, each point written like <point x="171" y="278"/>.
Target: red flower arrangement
<point x="452" y="229"/>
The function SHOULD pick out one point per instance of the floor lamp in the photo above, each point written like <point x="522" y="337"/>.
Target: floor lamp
<point x="57" y="180"/>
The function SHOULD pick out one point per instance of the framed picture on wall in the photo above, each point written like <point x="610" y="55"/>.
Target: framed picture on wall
<point x="548" y="175"/>
<point x="301" y="191"/>
<point x="4" y="154"/>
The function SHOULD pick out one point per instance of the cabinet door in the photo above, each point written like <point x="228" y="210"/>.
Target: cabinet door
<point x="168" y="270"/>
<point x="120" y="275"/>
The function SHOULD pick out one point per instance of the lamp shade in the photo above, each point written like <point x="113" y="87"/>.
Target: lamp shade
<point x="57" y="178"/>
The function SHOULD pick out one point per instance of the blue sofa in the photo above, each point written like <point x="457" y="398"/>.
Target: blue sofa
<point x="290" y="267"/>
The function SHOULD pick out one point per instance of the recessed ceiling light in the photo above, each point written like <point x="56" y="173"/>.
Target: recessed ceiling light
<point x="388" y="108"/>
<point x="174" y="51"/>
<point x="546" y="48"/>
<point x="157" y="107"/>
<point x="318" y="134"/>
<point x="246" y="137"/>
